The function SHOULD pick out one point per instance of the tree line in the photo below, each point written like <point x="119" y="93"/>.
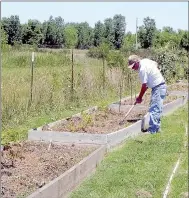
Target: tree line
<point x="55" y="32"/>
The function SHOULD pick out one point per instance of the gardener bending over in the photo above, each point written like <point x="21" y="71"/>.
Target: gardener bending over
<point x="150" y="77"/>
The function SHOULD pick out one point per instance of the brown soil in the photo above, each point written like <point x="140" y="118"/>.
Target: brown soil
<point x="178" y="87"/>
<point x="28" y="166"/>
<point x="105" y="121"/>
<point x="146" y="100"/>
<point x="99" y="122"/>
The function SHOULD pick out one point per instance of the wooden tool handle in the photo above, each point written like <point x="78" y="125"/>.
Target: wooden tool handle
<point x="129" y="111"/>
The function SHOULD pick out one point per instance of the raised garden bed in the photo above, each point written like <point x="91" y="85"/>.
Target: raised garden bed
<point x="28" y="166"/>
<point x="106" y="120"/>
<point x="100" y="121"/>
<point x="102" y="125"/>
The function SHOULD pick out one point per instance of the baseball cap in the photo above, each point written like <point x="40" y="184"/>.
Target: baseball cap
<point x="132" y="60"/>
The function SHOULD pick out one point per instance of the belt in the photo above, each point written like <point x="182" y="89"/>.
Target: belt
<point x="159" y="85"/>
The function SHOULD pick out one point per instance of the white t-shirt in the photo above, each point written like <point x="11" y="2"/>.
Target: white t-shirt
<point x="149" y="73"/>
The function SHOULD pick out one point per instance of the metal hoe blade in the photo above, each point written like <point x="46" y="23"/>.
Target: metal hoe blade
<point x="123" y="121"/>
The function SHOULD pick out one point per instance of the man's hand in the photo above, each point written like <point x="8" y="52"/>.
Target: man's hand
<point x="138" y="100"/>
<point x="142" y="91"/>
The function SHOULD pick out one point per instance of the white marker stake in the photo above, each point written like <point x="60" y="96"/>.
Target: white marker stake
<point x="31" y="91"/>
<point x="32" y="56"/>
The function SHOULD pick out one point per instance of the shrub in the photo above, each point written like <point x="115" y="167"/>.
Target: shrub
<point x="94" y="53"/>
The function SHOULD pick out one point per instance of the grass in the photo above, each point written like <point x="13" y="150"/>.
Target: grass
<point x="179" y="187"/>
<point x="51" y="88"/>
<point x="142" y="166"/>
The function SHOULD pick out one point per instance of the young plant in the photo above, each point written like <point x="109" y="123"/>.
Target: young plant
<point x="104" y="50"/>
<point x="71" y="38"/>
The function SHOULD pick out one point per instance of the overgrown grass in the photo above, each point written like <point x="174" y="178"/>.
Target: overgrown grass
<point x="142" y="167"/>
<point x="52" y="97"/>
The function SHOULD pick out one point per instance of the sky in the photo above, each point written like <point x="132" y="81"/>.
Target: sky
<point x="174" y="14"/>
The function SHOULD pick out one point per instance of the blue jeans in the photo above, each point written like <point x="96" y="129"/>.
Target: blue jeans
<point x="156" y="107"/>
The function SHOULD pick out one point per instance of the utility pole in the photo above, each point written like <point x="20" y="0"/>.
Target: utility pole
<point x="136" y="33"/>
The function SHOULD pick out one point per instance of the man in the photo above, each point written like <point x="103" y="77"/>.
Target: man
<point x="150" y="77"/>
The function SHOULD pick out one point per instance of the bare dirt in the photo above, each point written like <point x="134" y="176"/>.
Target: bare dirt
<point x="28" y="166"/>
<point x="106" y="121"/>
<point x="146" y="100"/>
<point x="100" y="122"/>
<point x="178" y="87"/>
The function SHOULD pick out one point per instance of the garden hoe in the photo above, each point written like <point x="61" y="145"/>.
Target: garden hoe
<point x="123" y="121"/>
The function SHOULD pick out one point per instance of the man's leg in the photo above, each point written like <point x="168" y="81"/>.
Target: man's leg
<point x="163" y="91"/>
<point x="155" y="110"/>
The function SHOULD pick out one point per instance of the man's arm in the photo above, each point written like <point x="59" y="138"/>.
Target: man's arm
<point x="142" y="92"/>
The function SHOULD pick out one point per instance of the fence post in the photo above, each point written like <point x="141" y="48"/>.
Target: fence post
<point x="120" y="88"/>
<point x="72" y="81"/>
<point x="103" y="61"/>
<point x="31" y="90"/>
<point x="131" y="87"/>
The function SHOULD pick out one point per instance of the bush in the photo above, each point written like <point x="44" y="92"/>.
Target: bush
<point x="143" y="53"/>
<point x="94" y="53"/>
<point x="172" y="63"/>
<point x="115" y="59"/>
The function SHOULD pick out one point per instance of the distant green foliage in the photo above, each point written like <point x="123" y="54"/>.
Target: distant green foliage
<point x="70" y="36"/>
<point x="146" y="32"/>
<point x="115" y="59"/>
<point x="184" y="43"/>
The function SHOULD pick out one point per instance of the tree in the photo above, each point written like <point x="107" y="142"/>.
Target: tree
<point x="50" y="37"/>
<point x="119" y="30"/>
<point x="59" y="30"/>
<point x="70" y="36"/>
<point x="146" y="33"/>
<point x="32" y="32"/>
<point x="91" y="37"/>
<point x="98" y="33"/>
<point x="53" y="31"/>
<point x="168" y="29"/>
<point x="128" y="42"/>
<point x="157" y="42"/>
<point x="184" y="43"/>
<point x="4" y="39"/>
<point x="109" y="35"/>
<point x="85" y="35"/>
<point x="104" y="50"/>
<point x="12" y="27"/>
<point x="167" y="38"/>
